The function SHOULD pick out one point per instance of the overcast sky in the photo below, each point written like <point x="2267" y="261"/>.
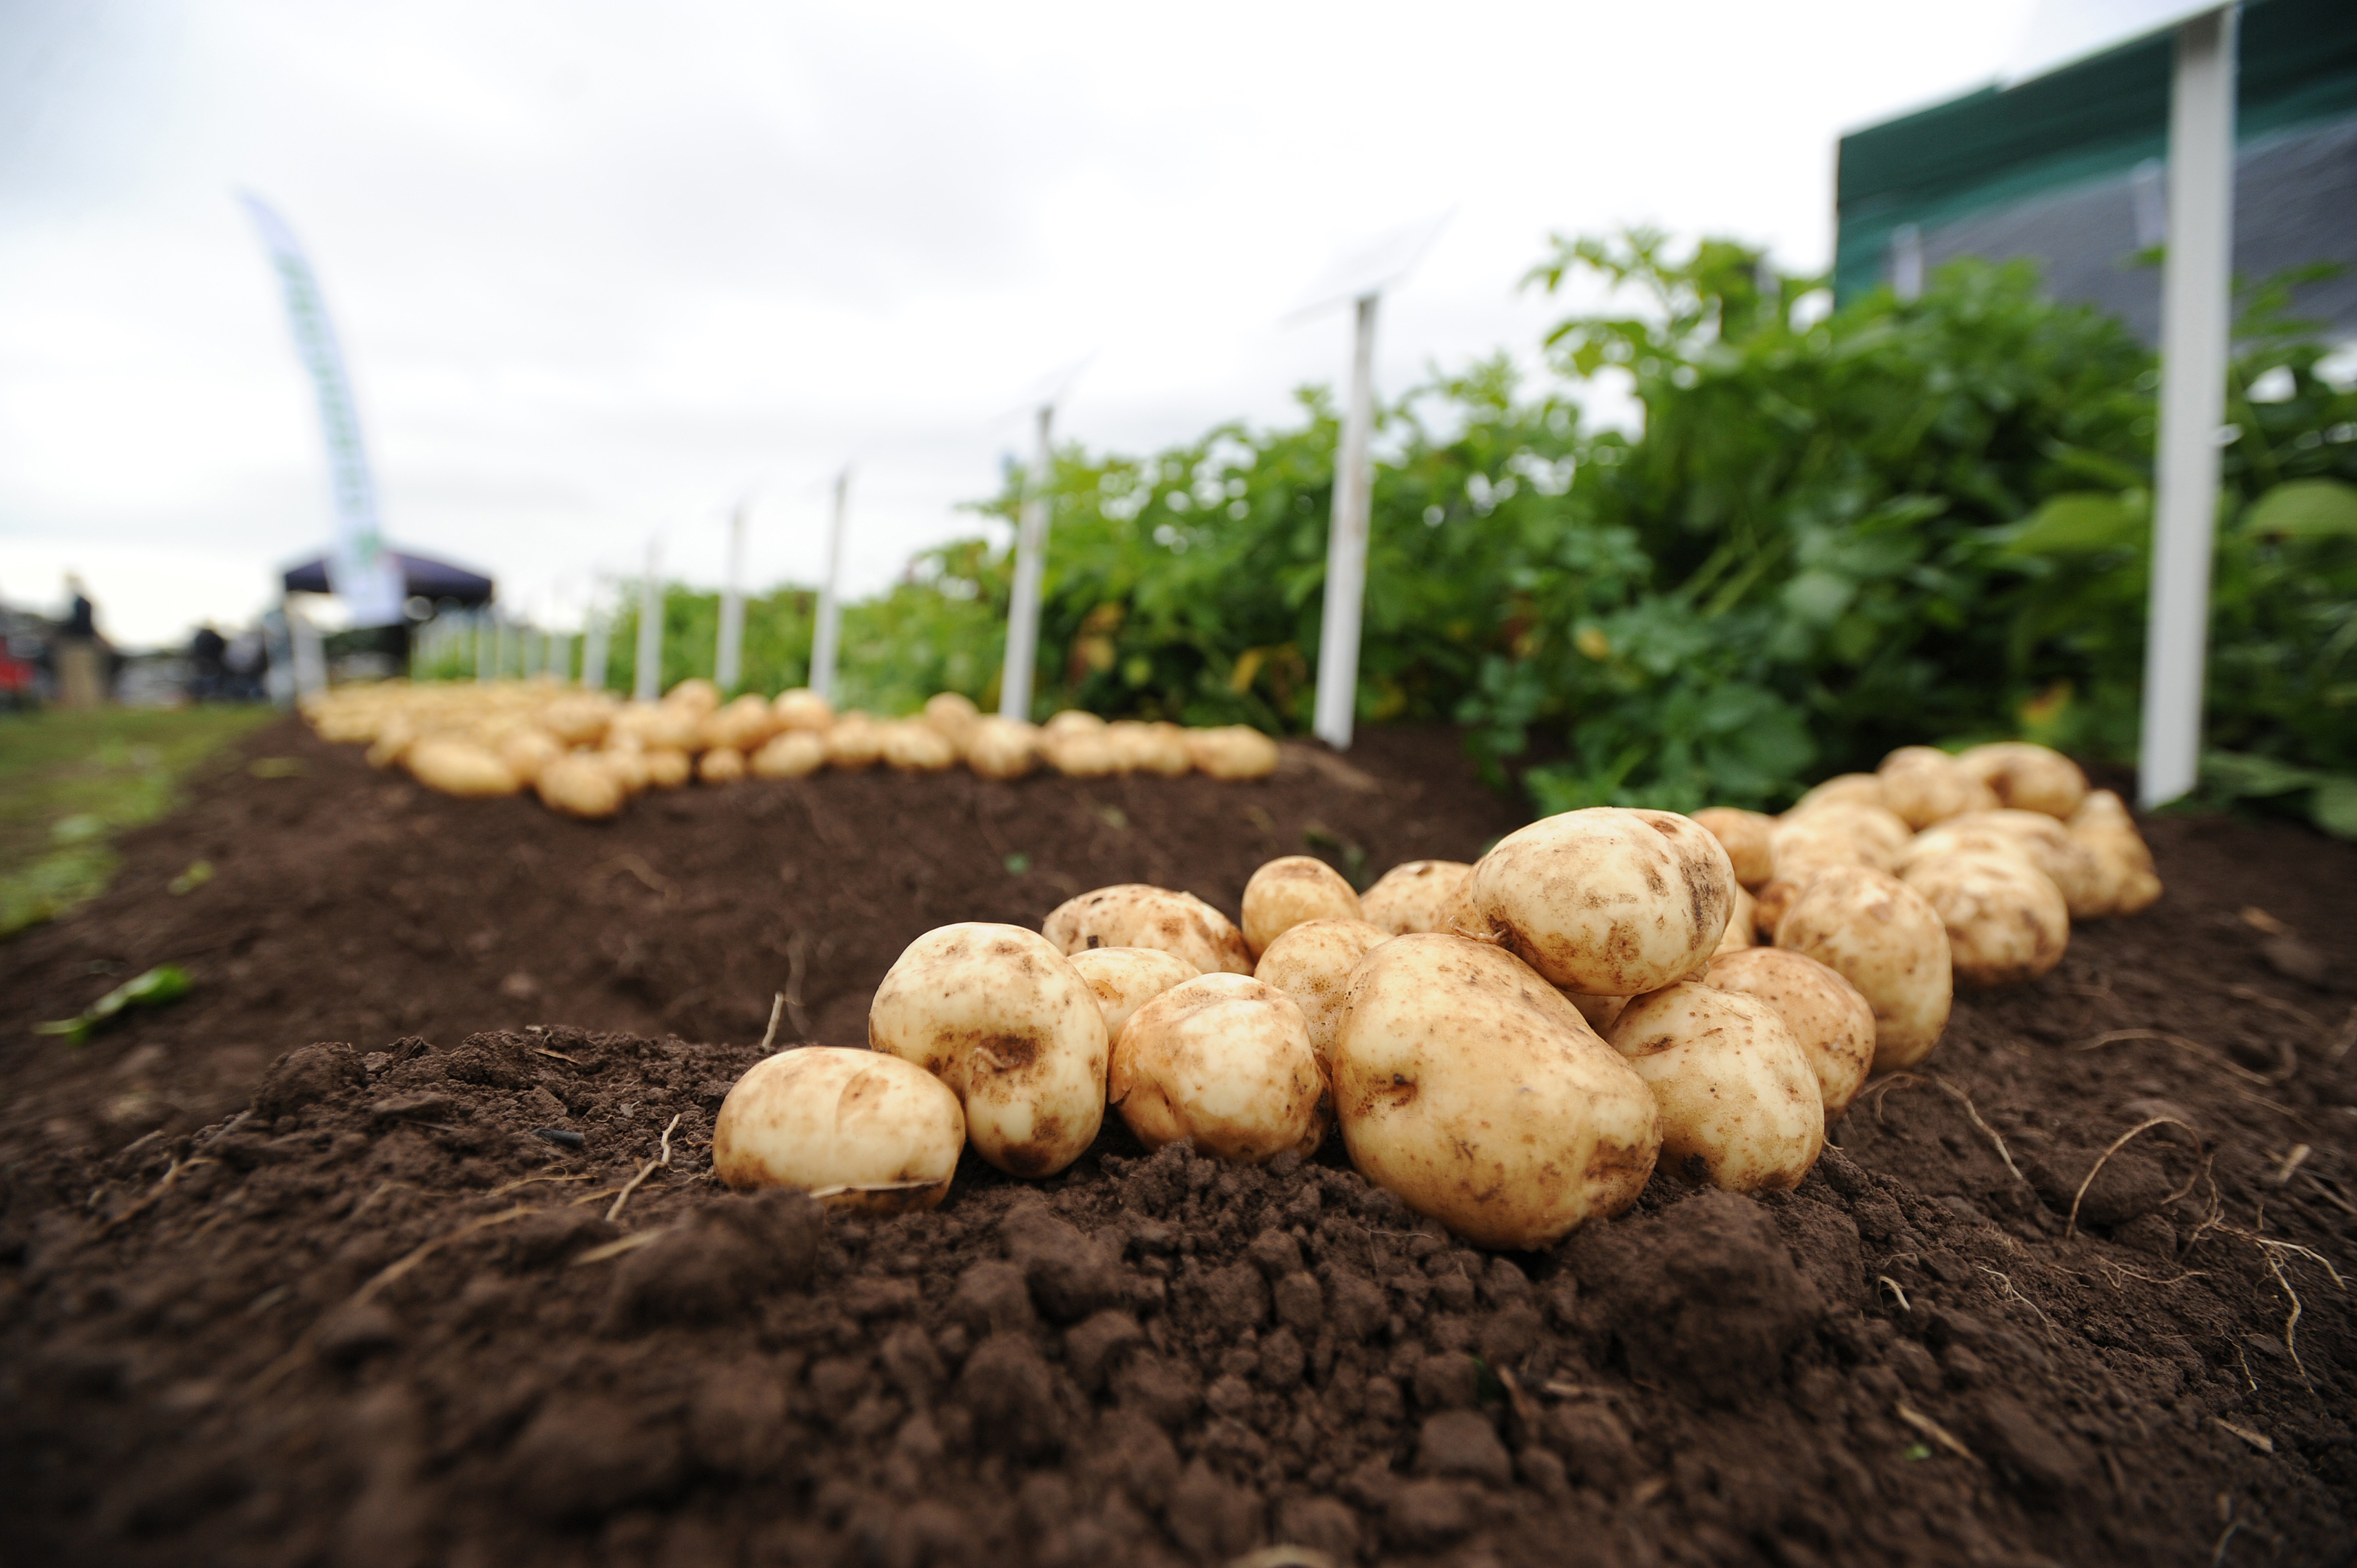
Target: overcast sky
<point x="601" y="270"/>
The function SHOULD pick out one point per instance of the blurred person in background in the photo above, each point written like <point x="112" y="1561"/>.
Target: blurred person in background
<point x="207" y="674"/>
<point x="78" y="656"/>
<point x="244" y="662"/>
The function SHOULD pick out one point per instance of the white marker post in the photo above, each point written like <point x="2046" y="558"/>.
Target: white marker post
<point x="594" y="639"/>
<point x="483" y="671"/>
<point x="2196" y="316"/>
<point x="1346" y="546"/>
<point x="827" y="634"/>
<point x="1030" y="566"/>
<point x="648" y="686"/>
<point x="728" y="659"/>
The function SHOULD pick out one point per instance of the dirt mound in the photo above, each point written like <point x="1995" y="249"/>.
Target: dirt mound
<point x="402" y="1301"/>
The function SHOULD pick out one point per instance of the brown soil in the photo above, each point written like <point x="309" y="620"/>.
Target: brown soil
<point x="367" y="1301"/>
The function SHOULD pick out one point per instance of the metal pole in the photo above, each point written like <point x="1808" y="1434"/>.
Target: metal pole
<point x="1031" y="565"/>
<point x="827" y="635"/>
<point x="2196" y="316"/>
<point x="648" y="686"/>
<point x="728" y="660"/>
<point x="1346" y="546"/>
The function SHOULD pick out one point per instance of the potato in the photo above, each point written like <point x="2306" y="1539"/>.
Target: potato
<point x="580" y="784"/>
<point x="527" y="750"/>
<point x="1311" y="962"/>
<point x="1001" y="748"/>
<point x="1472" y="1091"/>
<point x="392" y="740"/>
<point x="2127" y="882"/>
<point x="460" y="768"/>
<point x="1602" y="1012"/>
<point x="667" y="768"/>
<point x="2047" y="844"/>
<point x="1882" y="936"/>
<point x="1288" y="890"/>
<point x="789" y="754"/>
<point x="1740" y="1106"/>
<point x="1416" y="896"/>
<point x="656" y="726"/>
<point x="1802" y="850"/>
<point x="954" y="716"/>
<point x="2027" y="778"/>
<point x="2007" y="920"/>
<point x="857" y="1130"/>
<point x="1875" y="829"/>
<point x="803" y="708"/>
<point x="1223" y="1059"/>
<point x="911" y="745"/>
<point x="627" y="766"/>
<point x="1137" y="915"/>
<point x="1865" y="788"/>
<point x="696" y="695"/>
<point x="855" y="742"/>
<point x="1741" y="924"/>
<point x="1149" y="747"/>
<point x="1923" y="785"/>
<point x="579" y="718"/>
<point x="1744" y="836"/>
<point x="1123" y="979"/>
<point x="1073" y="721"/>
<point x="721" y="765"/>
<point x="996" y="1014"/>
<point x="1079" y="752"/>
<point x="742" y="725"/>
<point x="1606" y="901"/>
<point x="1828" y="1017"/>
<point x="1233" y="752"/>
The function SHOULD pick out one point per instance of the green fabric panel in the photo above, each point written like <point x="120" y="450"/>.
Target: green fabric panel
<point x="2096" y="120"/>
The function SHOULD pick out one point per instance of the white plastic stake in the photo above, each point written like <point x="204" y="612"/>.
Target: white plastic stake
<point x="1346" y="546"/>
<point x="593" y="651"/>
<point x="827" y="635"/>
<point x="728" y="659"/>
<point x="483" y="671"/>
<point x="310" y="653"/>
<point x="1031" y="565"/>
<point x="2196" y="315"/>
<point x="648" y="684"/>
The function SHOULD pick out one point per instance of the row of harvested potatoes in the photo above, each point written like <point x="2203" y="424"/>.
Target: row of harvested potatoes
<point x="585" y="753"/>
<point x="1510" y="1046"/>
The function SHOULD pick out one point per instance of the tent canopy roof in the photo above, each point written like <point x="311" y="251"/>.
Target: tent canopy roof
<point x="423" y="576"/>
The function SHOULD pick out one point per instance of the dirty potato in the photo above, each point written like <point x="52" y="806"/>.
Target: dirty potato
<point x="804" y="709"/>
<point x="1744" y="836"/>
<point x="1879" y="831"/>
<point x="528" y="750"/>
<point x="579" y="785"/>
<point x="1865" y="788"/>
<point x="1223" y="1059"/>
<point x="1232" y="751"/>
<point x="721" y="765"/>
<point x="1311" y="962"/>
<point x="1471" y="1090"/>
<point x="1080" y="751"/>
<point x="1001" y="748"/>
<point x="1288" y="890"/>
<point x="459" y="768"/>
<point x="695" y="695"/>
<point x="1923" y="785"/>
<point x="1884" y="937"/>
<point x="857" y="1129"/>
<point x="789" y="754"/>
<point x="2047" y="844"/>
<point x="1741" y="921"/>
<point x="2027" y="778"/>
<point x="998" y="1013"/>
<point x="912" y="746"/>
<point x="2127" y="881"/>
<point x="1602" y="1012"/>
<point x="854" y="742"/>
<point x="2007" y="920"/>
<point x="740" y="725"/>
<point x="1137" y="915"/>
<point x="1740" y="1106"/>
<point x="668" y="767"/>
<point x="1416" y="896"/>
<point x="1123" y="979"/>
<point x="954" y="716"/>
<point x="1829" y="1019"/>
<point x="1606" y="901"/>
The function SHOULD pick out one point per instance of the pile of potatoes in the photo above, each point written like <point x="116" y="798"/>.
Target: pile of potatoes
<point x="585" y="753"/>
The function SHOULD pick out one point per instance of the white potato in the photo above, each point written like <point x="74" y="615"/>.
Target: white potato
<point x="1312" y="963"/>
<point x="1874" y="828"/>
<point x="791" y="754"/>
<point x="2027" y="778"/>
<point x="1830" y="1020"/>
<point x="1232" y="751"/>
<point x="1288" y="890"/>
<point x="912" y="746"/>
<point x="1923" y="785"/>
<point x="857" y="1129"/>
<point x="579" y="718"/>
<point x="1602" y="1012"/>
<point x="528" y="750"/>
<point x="1225" y="1060"/>
<point x="1744" y="835"/>
<point x="1123" y="979"/>
<point x="459" y="768"/>
<point x="2072" y="866"/>
<point x="579" y="784"/>
<point x="1470" y="1088"/>
<point x="628" y="767"/>
<point x="657" y="726"/>
<point x="696" y="695"/>
<point x="1072" y="721"/>
<point x="1078" y="751"/>
<point x="1001" y="748"/>
<point x="1137" y="915"/>
<point x="668" y="767"/>
<point x="1861" y="786"/>
<point x="1416" y="896"/>
<point x="998" y="1013"/>
<point x="2007" y="920"/>
<point x="1882" y="936"/>
<point x="854" y="742"/>
<point x="2127" y="881"/>
<point x="721" y="765"/>
<point x="1803" y="850"/>
<point x="740" y="725"/>
<point x="1740" y="1106"/>
<point x="1606" y="901"/>
<point x="803" y="709"/>
<point x="1740" y="922"/>
<point x="954" y="716"/>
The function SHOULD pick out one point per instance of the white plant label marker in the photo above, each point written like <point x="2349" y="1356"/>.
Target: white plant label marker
<point x="1346" y="546"/>
<point x="648" y="686"/>
<point x="826" y="636"/>
<point x="728" y="659"/>
<point x="1030" y="566"/>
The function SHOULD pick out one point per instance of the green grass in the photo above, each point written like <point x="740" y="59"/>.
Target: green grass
<point x="70" y="781"/>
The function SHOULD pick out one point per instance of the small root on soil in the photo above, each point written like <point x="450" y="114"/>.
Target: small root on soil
<point x="660" y="1161"/>
<point x="2117" y="1144"/>
<point x="2208" y="1054"/>
<point x="1935" y="1431"/>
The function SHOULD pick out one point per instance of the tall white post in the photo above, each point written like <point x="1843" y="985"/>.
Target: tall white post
<point x="2196" y="316"/>
<point x="560" y="657"/>
<point x="310" y="653"/>
<point x="728" y="659"/>
<point x="648" y="684"/>
<point x="827" y="635"/>
<point x="1031" y="565"/>
<point x="1346" y="546"/>
<point x="483" y="671"/>
<point x="593" y="647"/>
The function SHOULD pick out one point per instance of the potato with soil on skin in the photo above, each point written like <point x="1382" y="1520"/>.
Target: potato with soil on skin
<point x="2006" y="921"/>
<point x="1001" y="748"/>
<point x="1123" y="979"/>
<point x="854" y="742"/>
<point x="1138" y="915"/>
<point x="1312" y="963"/>
<point x="2027" y="777"/>
<point x="1923" y="785"/>
<point x="1232" y="752"/>
<point x="1885" y="939"/>
<point x="527" y="751"/>
<point x="655" y="726"/>
<point x="579" y="784"/>
<point x="740" y="725"/>
<point x="1606" y="901"/>
<point x="2127" y="882"/>
<point x="1804" y="851"/>
<point x="1223" y="1059"/>
<point x="911" y="745"/>
<point x="1415" y="896"/>
<point x="459" y="768"/>
<point x="668" y="767"/>
<point x="804" y="709"/>
<point x="1864" y="788"/>
<point x="1829" y="1019"/>
<point x="791" y="754"/>
<point x="627" y="766"/>
<point x="1744" y="836"/>
<point x="1076" y="751"/>
<point x="721" y="765"/>
<point x="1472" y="1091"/>
<point x="857" y="1129"/>
<point x="1740" y="1105"/>
<point x="1879" y="831"/>
<point x="696" y="695"/>
<point x="997" y="1013"/>
<point x="2045" y="843"/>
<point x="1140" y="747"/>
<point x="1288" y="890"/>
<point x="1602" y="1012"/>
<point x="954" y="716"/>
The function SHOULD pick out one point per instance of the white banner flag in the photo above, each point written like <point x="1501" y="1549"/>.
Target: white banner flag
<point x="360" y="569"/>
